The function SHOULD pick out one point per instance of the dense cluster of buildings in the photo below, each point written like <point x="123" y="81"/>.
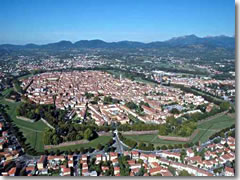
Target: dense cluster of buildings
<point x="10" y="148"/>
<point x="216" y="156"/>
<point x="68" y="91"/>
<point x="29" y="63"/>
<point x="211" y="86"/>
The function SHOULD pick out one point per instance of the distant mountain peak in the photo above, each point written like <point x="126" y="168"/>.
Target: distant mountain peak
<point x="181" y="41"/>
<point x="184" y="37"/>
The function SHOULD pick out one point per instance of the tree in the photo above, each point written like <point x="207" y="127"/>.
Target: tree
<point x="88" y="95"/>
<point x="163" y="130"/>
<point x="150" y="147"/>
<point x="131" y="105"/>
<point x="171" y="120"/>
<point x="142" y="146"/>
<point x="88" y="134"/>
<point x="96" y="98"/>
<point x="82" y="150"/>
<point x="175" y="111"/>
<point x="164" y="147"/>
<point x="170" y="146"/>
<point x="141" y="171"/>
<point x="144" y="103"/>
<point x="107" y="100"/>
<point x="224" y="106"/>
<point x="184" y="173"/>
<point x="47" y="136"/>
<point x="99" y="147"/>
<point x="55" y="139"/>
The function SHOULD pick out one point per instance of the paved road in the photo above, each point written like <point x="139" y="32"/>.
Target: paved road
<point x="118" y="145"/>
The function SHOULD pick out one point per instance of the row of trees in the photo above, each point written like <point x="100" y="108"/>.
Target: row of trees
<point x="221" y="133"/>
<point x="138" y="127"/>
<point x="51" y="137"/>
<point x="184" y="128"/>
<point x="150" y="147"/>
<point x="107" y="148"/>
<point x="137" y="108"/>
<point x="13" y="95"/>
<point x="195" y="92"/>
<point x="131" y="143"/>
<point x="64" y="129"/>
<point x="28" y="110"/>
<point x="177" y="128"/>
<point x="37" y="111"/>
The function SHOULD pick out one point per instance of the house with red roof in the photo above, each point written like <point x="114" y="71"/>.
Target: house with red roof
<point x="70" y="163"/>
<point x="12" y="171"/>
<point x="135" y="154"/>
<point x="155" y="171"/>
<point x="113" y="155"/>
<point x="143" y="157"/>
<point x="41" y="161"/>
<point x="66" y="171"/>
<point x="229" y="171"/>
<point x="104" y="168"/>
<point x="190" y="152"/>
<point x="116" y="170"/>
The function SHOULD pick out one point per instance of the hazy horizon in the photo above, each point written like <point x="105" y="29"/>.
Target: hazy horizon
<point x="113" y="41"/>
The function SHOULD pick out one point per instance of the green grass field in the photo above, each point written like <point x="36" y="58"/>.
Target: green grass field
<point x="34" y="139"/>
<point x="206" y="129"/>
<point x="33" y="132"/>
<point x="39" y="125"/>
<point x="5" y="92"/>
<point x="100" y="140"/>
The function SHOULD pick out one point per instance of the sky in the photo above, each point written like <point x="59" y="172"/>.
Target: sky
<point x="45" y="21"/>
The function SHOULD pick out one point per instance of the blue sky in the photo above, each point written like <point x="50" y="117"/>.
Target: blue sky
<point x="44" y="21"/>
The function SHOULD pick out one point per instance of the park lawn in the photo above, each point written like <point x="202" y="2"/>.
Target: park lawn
<point x="211" y="127"/>
<point x="221" y="125"/>
<point x="206" y="129"/>
<point x="39" y="125"/>
<point x="34" y="139"/>
<point x="100" y="140"/>
<point x="5" y="92"/>
<point x="221" y="122"/>
<point x="151" y="138"/>
<point x="33" y="132"/>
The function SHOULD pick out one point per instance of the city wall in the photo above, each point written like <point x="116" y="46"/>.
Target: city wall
<point x="69" y="143"/>
<point x="182" y="139"/>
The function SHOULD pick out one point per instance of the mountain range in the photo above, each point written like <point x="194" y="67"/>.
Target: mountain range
<point x="193" y="41"/>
